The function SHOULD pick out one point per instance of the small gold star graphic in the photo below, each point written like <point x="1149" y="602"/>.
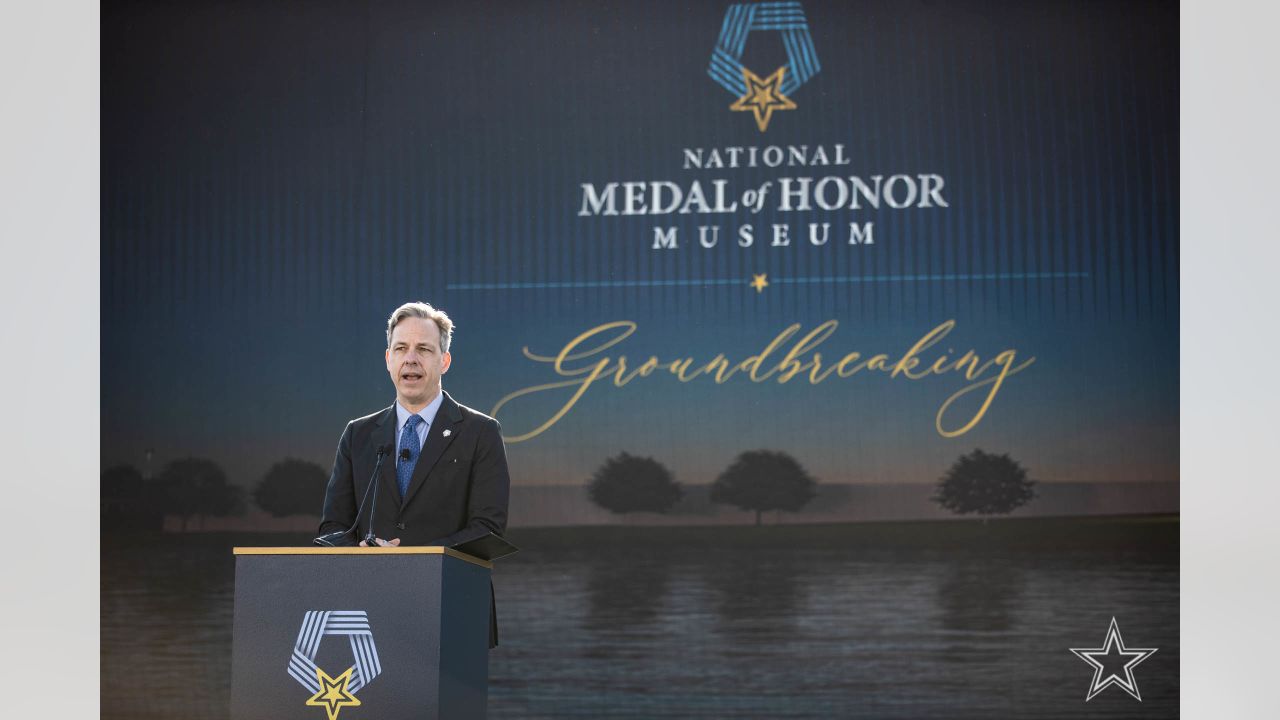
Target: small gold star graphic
<point x="763" y="96"/>
<point x="760" y="282"/>
<point x="333" y="695"/>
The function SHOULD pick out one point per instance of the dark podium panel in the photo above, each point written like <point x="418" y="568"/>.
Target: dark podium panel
<point x="352" y="633"/>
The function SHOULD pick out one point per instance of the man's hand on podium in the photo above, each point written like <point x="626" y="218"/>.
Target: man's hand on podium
<point x="395" y="542"/>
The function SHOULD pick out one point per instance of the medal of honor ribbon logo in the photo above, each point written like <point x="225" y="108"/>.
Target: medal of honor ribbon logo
<point x="334" y="692"/>
<point x="759" y="95"/>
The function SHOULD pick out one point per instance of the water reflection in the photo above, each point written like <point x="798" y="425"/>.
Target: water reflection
<point x="755" y="595"/>
<point x="641" y="630"/>
<point x="166" y="629"/>
<point x="624" y="593"/>
<point x="981" y="596"/>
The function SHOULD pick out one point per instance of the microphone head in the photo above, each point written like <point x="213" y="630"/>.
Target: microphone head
<point x="404" y="453"/>
<point x="384" y="450"/>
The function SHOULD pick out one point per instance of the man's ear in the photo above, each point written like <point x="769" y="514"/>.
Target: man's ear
<point x="387" y="356"/>
<point x="445" y="361"/>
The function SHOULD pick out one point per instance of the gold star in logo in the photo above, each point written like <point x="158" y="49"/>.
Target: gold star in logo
<point x="760" y="282"/>
<point x="763" y="96"/>
<point x="333" y="695"/>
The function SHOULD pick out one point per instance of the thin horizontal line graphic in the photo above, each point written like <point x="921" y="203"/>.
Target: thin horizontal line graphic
<point x="833" y="279"/>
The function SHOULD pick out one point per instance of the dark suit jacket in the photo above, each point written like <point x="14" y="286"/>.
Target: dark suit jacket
<point x="458" y="491"/>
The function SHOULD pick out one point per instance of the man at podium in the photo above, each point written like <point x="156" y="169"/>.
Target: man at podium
<point x="431" y="471"/>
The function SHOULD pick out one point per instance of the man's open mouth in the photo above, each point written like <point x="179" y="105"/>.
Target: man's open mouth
<point x="411" y="376"/>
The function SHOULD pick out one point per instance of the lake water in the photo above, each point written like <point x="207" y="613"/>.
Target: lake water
<point x="837" y="622"/>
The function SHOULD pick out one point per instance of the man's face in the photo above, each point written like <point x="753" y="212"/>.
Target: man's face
<point x="415" y="362"/>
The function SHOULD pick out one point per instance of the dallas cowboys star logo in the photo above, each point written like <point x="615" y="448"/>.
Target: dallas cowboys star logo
<point x="1122" y="662"/>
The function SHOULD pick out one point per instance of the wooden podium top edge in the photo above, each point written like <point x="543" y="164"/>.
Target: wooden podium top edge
<point x="418" y="550"/>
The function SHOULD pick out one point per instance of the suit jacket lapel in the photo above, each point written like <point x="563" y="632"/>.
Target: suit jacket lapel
<point x="385" y="434"/>
<point x="446" y="417"/>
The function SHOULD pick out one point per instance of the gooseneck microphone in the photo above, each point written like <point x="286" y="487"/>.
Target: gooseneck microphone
<point x="335" y="539"/>
<point x="369" y="538"/>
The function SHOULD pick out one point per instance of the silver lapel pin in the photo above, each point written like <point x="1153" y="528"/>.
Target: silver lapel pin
<point x="447" y="433"/>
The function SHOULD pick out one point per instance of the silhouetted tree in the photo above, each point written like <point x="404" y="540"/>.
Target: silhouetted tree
<point x="985" y="484"/>
<point x="125" y="500"/>
<point x="196" y="486"/>
<point x="627" y="483"/>
<point x="763" y="480"/>
<point x="292" y="487"/>
<point x="120" y="483"/>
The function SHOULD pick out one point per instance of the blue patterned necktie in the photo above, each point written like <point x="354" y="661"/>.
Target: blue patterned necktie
<point x="408" y="441"/>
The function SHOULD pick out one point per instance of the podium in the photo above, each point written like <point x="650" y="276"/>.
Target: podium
<point x="350" y="633"/>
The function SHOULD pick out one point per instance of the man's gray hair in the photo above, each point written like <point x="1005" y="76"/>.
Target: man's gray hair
<point x="426" y="312"/>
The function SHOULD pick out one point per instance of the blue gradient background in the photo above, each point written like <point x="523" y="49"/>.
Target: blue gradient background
<point x="277" y="177"/>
